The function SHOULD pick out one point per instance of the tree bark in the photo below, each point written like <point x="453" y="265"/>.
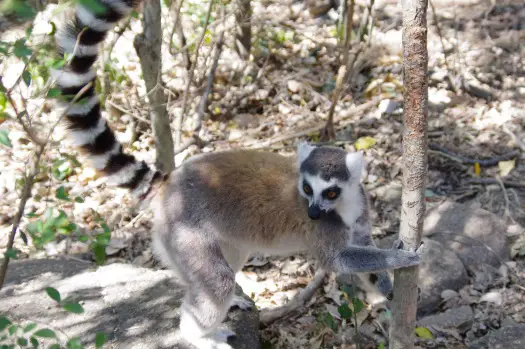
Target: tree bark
<point x="415" y="62"/>
<point x="243" y="33"/>
<point x="148" y="46"/>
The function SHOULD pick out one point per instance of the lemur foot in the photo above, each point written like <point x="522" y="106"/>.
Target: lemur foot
<point x="222" y="335"/>
<point x="241" y="302"/>
<point x="217" y="340"/>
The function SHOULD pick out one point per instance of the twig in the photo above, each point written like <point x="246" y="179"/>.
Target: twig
<point x="466" y="160"/>
<point x="515" y="138"/>
<point x="485" y="181"/>
<point x="348" y="114"/>
<point x="177" y="27"/>
<point x="34" y="169"/>
<point x="505" y="196"/>
<point x="328" y="132"/>
<point x="203" y="105"/>
<point x="128" y="112"/>
<point x="180" y="117"/>
<point x="440" y="34"/>
<point x="269" y="316"/>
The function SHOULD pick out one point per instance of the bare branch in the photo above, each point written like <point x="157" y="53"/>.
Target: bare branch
<point x="415" y="163"/>
<point x="180" y="118"/>
<point x="268" y="316"/>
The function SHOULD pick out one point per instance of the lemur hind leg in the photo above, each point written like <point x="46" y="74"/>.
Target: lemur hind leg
<point x="236" y="259"/>
<point x="210" y="283"/>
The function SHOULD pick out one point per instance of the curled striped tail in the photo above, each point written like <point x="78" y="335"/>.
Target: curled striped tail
<point x="80" y="38"/>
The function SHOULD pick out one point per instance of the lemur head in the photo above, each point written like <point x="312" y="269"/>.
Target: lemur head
<point x="327" y="177"/>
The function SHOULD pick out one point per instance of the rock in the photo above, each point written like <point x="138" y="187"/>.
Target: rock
<point x="458" y="318"/>
<point x="492" y="297"/>
<point x="449" y="294"/>
<point x="136" y="307"/>
<point x="439" y="270"/>
<point x="510" y="337"/>
<point x="387" y="106"/>
<point x="294" y="86"/>
<point x="475" y="223"/>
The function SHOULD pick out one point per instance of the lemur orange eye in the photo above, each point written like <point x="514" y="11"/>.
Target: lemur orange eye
<point x="331" y="194"/>
<point x="307" y="188"/>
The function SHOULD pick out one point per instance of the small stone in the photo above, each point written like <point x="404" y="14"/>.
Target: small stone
<point x="449" y="294"/>
<point x="387" y="106"/>
<point x="235" y="135"/>
<point x="294" y="86"/>
<point x="492" y="297"/>
<point x="457" y="318"/>
<point x="509" y="337"/>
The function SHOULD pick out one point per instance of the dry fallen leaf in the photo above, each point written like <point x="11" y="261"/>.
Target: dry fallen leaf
<point x="506" y="166"/>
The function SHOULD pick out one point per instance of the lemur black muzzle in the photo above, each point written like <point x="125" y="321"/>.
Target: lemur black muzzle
<point x="314" y="212"/>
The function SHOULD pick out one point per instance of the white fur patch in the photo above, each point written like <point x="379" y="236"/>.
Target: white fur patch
<point x="71" y="79"/>
<point x="81" y="137"/>
<point x="119" y="6"/>
<point x="69" y="45"/>
<point x="124" y="175"/>
<point x="100" y="161"/>
<point x="355" y="163"/>
<point x="89" y="20"/>
<point x="81" y="109"/>
<point x="303" y="151"/>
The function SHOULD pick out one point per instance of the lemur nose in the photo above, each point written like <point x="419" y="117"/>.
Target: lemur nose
<point x="314" y="212"/>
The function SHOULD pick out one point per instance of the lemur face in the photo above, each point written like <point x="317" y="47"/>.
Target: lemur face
<point x="324" y="174"/>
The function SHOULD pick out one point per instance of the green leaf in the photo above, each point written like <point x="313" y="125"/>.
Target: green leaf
<point x="29" y="327"/>
<point x="26" y="76"/>
<point x="94" y="6"/>
<point x="61" y="194"/>
<point x="45" y="333"/>
<point x="12" y="253"/>
<point x="345" y="311"/>
<point x="79" y="199"/>
<point x="3" y="101"/>
<point x="74" y="343"/>
<point x="4" y="139"/>
<point x="4" y="322"/>
<point x="329" y="321"/>
<point x="54" y="294"/>
<point x="358" y="304"/>
<point x="53" y="92"/>
<point x="99" y="252"/>
<point x="75" y="308"/>
<point x="12" y="329"/>
<point x="381" y="345"/>
<point x="365" y="143"/>
<point x="83" y="238"/>
<point x="20" y="49"/>
<point x="54" y="346"/>
<point x="21" y="342"/>
<point x="423" y="332"/>
<point x="34" y="342"/>
<point x="19" y="7"/>
<point x="100" y="339"/>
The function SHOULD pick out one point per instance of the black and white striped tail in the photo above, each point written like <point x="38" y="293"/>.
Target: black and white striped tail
<point x="80" y="39"/>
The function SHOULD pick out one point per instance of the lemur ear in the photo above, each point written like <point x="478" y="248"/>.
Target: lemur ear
<point x="303" y="151"/>
<point x="355" y="162"/>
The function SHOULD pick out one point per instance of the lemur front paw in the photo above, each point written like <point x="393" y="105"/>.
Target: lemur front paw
<point x="241" y="302"/>
<point x="408" y="258"/>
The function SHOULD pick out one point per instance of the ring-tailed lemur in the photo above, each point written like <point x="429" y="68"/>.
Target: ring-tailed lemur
<point x="217" y="208"/>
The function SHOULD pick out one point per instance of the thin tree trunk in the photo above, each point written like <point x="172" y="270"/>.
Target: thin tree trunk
<point x="415" y="61"/>
<point x="148" y="46"/>
<point x="243" y="34"/>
